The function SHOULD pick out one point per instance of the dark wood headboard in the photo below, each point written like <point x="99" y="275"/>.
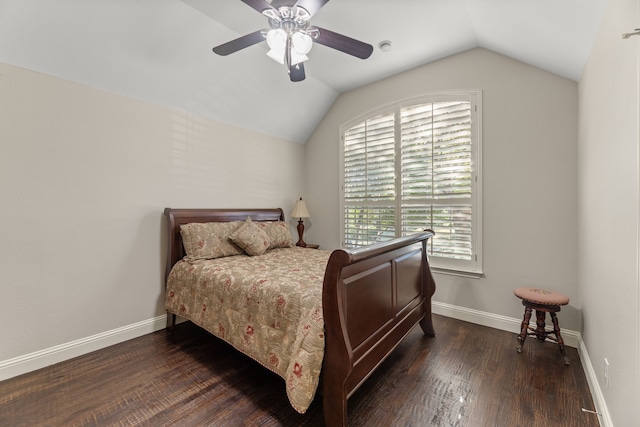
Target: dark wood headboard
<point x="177" y="217"/>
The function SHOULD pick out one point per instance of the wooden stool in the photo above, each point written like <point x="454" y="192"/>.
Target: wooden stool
<point x="542" y="301"/>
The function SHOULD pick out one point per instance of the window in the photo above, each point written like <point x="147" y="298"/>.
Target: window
<point x="412" y="166"/>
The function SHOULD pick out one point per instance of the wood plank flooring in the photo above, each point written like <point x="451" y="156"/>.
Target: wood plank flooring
<point x="468" y="375"/>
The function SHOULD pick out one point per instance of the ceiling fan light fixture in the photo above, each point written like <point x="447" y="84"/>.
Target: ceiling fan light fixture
<point x="301" y="42"/>
<point x="277" y="41"/>
<point x="297" y="59"/>
<point x="276" y="56"/>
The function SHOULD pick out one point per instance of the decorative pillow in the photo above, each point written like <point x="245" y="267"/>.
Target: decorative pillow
<point x="251" y="238"/>
<point x="279" y="233"/>
<point x="209" y="240"/>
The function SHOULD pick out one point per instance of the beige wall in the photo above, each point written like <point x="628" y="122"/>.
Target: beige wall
<point x="529" y="161"/>
<point x="84" y="178"/>
<point x="609" y="195"/>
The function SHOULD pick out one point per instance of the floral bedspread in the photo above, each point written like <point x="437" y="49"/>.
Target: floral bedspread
<point x="269" y="307"/>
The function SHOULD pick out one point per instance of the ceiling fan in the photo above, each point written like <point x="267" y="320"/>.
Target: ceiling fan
<point x="291" y="36"/>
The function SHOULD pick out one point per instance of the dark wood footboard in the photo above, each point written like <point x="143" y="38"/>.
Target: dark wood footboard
<point x="372" y="298"/>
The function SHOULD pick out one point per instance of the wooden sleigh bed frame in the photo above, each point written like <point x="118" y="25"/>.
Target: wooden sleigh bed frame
<point x="372" y="297"/>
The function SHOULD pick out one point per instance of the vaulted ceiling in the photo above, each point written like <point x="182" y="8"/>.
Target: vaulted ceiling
<point x="159" y="51"/>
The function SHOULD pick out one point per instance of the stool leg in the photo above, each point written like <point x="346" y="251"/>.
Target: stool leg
<point x="523" y="328"/>
<point x="541" y="334"/>
<point x="556" y="331"/>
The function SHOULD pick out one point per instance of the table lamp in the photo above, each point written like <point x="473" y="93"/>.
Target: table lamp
<point x="300" y="211"/>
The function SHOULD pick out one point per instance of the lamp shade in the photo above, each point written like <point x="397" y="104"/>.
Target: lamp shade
<point x="301" y="43"/>
<point x="277" y="41"/>
<point x="300" y="210"/>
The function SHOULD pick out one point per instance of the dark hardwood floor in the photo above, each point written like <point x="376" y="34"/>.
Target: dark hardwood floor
<point x="468" y="375"/>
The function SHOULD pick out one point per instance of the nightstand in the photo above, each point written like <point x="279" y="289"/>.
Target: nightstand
<point x="310" y="246"/>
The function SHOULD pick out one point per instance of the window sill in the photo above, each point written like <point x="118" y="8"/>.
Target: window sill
<point x="469" y="274"/>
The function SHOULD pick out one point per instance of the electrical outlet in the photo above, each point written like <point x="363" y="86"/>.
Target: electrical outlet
<point x="606" y="372"/>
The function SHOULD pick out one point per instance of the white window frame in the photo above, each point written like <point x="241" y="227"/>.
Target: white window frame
<point x="468" y="268"/>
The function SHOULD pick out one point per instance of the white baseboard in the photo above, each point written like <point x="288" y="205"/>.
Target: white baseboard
<point x="594" y="386"/>
<point x="30" y="362"/>
<point x="510" y="324"/>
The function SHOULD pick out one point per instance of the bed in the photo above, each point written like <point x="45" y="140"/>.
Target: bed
<point x="353" y="306"/>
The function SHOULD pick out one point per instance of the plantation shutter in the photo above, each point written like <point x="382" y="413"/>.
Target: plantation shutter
<point x="369" y="181"/>
<point x="436" y="173"/>
<point x="412" y="168"/>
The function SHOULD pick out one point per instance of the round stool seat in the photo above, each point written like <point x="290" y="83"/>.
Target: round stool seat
<point x="541" y="296"/>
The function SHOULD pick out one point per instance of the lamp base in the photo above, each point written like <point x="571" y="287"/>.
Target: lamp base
<point x="300" y="233"/>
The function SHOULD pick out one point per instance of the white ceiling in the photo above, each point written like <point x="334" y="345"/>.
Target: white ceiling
<point x="159" y="51"/>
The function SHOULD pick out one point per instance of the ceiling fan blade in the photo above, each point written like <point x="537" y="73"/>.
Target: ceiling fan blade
<point x="261" y="6"/>
<point x="239" y="43"/>
<point x="343" y="43"/>
<point x="279" y="3"/>
<point x="311" y="6"/>
<point x="296" y="73"/>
